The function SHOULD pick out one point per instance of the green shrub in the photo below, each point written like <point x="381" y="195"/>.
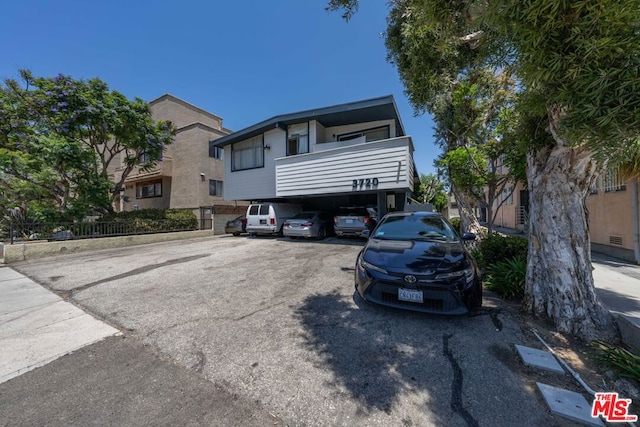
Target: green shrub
<point x="152" y="220"/>
<point x="456" y="224"/>
<point x="624" y="362"/>
<point x="507" y="278"/>
<point x="497" y="248"/>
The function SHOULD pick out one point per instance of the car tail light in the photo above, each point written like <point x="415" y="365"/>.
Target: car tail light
<point x="335" y="219"/>
<point x="307" y="224"/>
<point x="286" y="224"/>
<point x="272" y="221"/>
<point x="366" y="220"/>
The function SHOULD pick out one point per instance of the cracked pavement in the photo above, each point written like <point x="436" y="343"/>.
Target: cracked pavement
<point x="274" y="326"/>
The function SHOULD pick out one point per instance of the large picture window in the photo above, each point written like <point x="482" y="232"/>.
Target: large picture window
<point x="247" y="154"/>
<point x="149" y="189"/>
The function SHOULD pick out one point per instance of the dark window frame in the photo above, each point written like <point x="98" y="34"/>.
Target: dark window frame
<point x="233" y="165"/>
<point x="297" y="136"/>
<point x="216" y="152"/>
<point x="140" y="194"/>
<point x="215" y="183"/>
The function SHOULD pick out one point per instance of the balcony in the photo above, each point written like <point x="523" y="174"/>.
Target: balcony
<point x="385" y="165"/>
<point x="162" y="169"/>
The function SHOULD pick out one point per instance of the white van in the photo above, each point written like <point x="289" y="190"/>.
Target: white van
<point x="268" y="217"/>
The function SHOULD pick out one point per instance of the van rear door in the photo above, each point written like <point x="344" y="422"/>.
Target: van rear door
<point x="264" y="215"/>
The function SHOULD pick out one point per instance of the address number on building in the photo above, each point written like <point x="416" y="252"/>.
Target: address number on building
<point x="364" y="183"/>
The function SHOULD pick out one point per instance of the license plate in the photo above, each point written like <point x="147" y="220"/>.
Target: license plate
<point x="409" y="295"/>
<point x="263" y="222"/>
<point x="348" y="221"/>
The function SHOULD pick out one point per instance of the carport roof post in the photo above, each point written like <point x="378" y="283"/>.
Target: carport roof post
<point x="382" y="108"/>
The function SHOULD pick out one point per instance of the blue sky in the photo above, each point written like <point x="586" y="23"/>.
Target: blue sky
<point x="243" y="60"/>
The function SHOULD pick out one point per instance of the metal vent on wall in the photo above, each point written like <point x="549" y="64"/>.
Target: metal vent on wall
<point x="615" y="240"/>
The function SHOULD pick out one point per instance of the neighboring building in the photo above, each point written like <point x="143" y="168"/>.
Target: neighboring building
<point x="190" y="174"/>
<point x="353" y="154"/>
<point x="611" y="215"/>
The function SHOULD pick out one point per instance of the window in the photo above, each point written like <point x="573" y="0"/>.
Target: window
<point x="370" y="135"/>
<point x="149" y="189"/>
<point x="215" y="152"/>
<point x="215" y="188"/>
<point x="247" y="154"/>
<point x="298" y="139"/>
<point x="147" y="158"/>
<point x="264" y="210"/>
<point x="613" y="181"/>
<point x="253" y="209"/>
<point x="507" y="196"/>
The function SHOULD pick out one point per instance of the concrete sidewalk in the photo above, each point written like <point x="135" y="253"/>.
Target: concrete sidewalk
<point x="37" y="326"/>
<point x="618" y="286"/>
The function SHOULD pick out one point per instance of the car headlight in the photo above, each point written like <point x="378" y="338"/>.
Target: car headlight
<point x="468" y="274"/>
<point x="364" y="264"/>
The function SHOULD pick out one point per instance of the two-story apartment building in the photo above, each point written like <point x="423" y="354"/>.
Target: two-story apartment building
<point x="353" y="154"/>
<point x="190" y="174"/>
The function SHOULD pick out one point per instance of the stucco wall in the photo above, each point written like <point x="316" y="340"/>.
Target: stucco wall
<point x="610" y="215"/>
<point x="181" y="113"/>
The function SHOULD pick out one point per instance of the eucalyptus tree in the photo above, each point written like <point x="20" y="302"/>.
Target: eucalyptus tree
<point x="577" y="66"/>
<point x="62" y="139"/>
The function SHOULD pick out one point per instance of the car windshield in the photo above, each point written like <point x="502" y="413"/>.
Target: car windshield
<point x="304" y="215"/>
<point x="414" y="227"/>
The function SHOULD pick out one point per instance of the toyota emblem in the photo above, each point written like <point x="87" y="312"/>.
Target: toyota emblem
<point x="410" y="279"/>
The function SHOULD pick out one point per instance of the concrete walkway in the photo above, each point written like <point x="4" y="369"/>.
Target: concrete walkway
<point x="37" y="326"/>
<point x="618" y="286"/>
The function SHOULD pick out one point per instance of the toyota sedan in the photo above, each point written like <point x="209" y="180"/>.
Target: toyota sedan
<point x="417" y="261"/>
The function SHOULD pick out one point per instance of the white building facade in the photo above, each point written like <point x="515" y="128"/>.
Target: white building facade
<point x="353" y="154"/>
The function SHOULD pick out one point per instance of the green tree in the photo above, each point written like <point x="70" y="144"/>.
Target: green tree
<point x="576" y="66"/>
<point x="62" y="138"/>
<point x="482" y="158"/>
<point x="432" y="190"/>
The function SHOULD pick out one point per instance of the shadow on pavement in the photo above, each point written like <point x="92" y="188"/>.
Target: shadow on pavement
<point x="618" y="302"/>
<point x="417" y="365"/>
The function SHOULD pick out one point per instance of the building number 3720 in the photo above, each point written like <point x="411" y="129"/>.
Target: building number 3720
<point x="359" y="184"/>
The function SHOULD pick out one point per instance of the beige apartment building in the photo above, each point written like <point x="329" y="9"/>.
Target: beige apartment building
<point x="613" y="215"/>
<point x="190" y="174"/>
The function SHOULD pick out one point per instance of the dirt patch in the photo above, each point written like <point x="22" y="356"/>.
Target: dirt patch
<point x="579" y="355"/>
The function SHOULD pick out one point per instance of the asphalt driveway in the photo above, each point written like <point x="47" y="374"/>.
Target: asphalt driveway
<point x="274" y="322"/>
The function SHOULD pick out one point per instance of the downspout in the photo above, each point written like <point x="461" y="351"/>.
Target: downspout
<point x="636" y="226"/>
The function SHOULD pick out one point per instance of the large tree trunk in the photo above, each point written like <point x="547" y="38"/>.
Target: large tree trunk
<point x="468" y="220"/>
<point x="559" y="280"/>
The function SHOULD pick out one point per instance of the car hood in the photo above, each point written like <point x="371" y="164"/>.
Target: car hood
<point x="419" y="256"/>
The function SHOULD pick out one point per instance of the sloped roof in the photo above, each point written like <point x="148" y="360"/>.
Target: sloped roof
<point x="368" y="110"/>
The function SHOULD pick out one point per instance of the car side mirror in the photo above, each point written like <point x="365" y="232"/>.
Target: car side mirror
<point x="366" y="233"/>
<point x="468" y="236"/>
